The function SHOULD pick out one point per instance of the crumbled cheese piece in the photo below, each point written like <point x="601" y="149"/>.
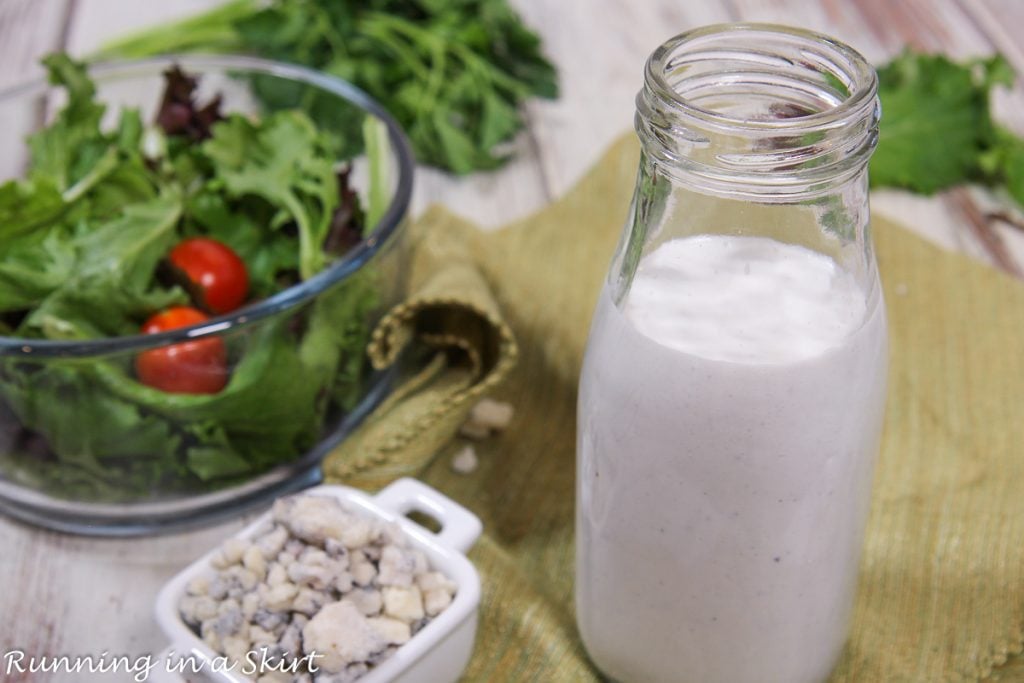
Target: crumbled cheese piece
<point x="495" y="415"/>
<point x="250" y="605"/>
<point x="255" y="561"/>
<point x="309" y="601"/>
<point x="487" y="417"/>
<point x="313" y="519"/>
<point x="229" y="606"/>
<point x="240" y="577"/>
<point x="277" y="575"/>
<point x="231" y="551"/>
<point x="210" y="636"/>
<point x="396" y="567"/>
<point x="291" y="639"/>
<point x="435" y="601"/>
<point x="236" y="648"/>
<point x="336" y="549"/>
<point x="280" y="596"/>
<point x="341" y="636"/>
<point x="371" y="552"/>
<point x="196" y="609"/>
<point x="318" y="577"/>
<point x="269" y="620"/>
<point x="280" y="677"/>
<point x="314" y="557"/>
<point x="433" y="580"/>
<point x="343" y="582"/>
<point x="403" y="603"/>
<point x="259" y="636"/>
<point x="395" y="632"/>
<point x="272" y="542"/>
<point x="422" y="564"/>
<point x="362" y="570"/>
<point x="474" y="431"/>
<point x="199" y="585"/>
<point x="465" y="461"/>
<point x="367" y="600"/>
<point x="392" y="534"/>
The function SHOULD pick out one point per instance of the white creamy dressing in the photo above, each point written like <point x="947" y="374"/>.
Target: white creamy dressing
<point x="729" y="417"/>
<point x="743" y="299"/>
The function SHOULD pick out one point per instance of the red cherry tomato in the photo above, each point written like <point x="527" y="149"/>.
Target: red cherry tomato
<point x="216" y="271"/>
<point x="191" y="367"/>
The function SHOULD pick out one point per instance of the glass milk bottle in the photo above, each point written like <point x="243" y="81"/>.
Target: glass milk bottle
<point x="733" y="388"/>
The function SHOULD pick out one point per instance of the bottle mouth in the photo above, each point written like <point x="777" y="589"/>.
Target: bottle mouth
<point x="772" y="105"/>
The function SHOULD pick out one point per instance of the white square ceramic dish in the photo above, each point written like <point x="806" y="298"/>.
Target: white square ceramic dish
<point x="437" y="653"/>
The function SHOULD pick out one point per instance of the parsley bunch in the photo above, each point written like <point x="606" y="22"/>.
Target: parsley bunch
<point x="452" y="72"/>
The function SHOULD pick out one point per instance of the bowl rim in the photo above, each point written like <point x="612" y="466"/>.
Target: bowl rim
<point x="345" y="267"/>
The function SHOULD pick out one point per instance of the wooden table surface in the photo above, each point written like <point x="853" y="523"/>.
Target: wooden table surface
<point x="66" y="595"/>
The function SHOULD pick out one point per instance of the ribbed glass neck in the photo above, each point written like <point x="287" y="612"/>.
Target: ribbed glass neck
<point x="759" y="111"/>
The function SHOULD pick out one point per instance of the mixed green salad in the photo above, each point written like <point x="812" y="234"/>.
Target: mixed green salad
<point x="140" y="228"/>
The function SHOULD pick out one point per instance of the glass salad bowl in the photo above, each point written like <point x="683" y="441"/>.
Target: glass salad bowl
<point x="89" y="441"/>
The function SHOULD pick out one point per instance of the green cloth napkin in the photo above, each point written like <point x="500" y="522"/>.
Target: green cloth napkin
<point x="451" y="325"/>
<point x="942" y="587"/>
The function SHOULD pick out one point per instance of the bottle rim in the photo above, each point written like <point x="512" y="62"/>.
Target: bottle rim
<point x="825" y="128"/>
<point x="850" y="69"/>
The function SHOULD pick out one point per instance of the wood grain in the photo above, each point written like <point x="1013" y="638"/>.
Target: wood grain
<point x="28" y="30"/>
<point x="72" y="595"/>
<point x="1001" y="21"/>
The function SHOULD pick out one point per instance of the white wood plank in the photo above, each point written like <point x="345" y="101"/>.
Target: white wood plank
<point x="28" y="30"/>
<point x="837" y="18"/>
<point x="1001" y="21"/>
<point x="930" y="25"/>
<point x="69" y="595"/>
<point x="97" y="22"/>
<point x="600" y="50"/>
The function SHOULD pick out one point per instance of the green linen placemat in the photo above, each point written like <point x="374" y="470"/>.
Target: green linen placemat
<point x="942" y="587"/>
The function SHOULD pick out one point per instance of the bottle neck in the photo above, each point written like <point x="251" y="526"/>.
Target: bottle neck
<point x="758" y="112"/>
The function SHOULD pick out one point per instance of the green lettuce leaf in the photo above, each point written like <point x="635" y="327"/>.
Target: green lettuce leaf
<point x="111" y="288"/>
<point x="68" y="149"/>
<point x="285" y="161"/>
<point x="25" y="205"/>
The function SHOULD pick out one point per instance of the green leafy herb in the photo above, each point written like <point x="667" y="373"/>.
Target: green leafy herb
<point x="83" y="240"/>
<point x="285" y="161"/>
<point x="1004" y="163"/>
<point x="452" y="73"/>
<point x="68" y="149"/>
<point x="937" y="129"/>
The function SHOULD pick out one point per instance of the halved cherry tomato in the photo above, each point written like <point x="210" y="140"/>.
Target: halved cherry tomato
<point x="191" y="367"/>
<point x="215" y="270"/>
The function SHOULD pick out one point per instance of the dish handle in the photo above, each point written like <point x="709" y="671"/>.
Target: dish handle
<point x="459" y="527"/>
